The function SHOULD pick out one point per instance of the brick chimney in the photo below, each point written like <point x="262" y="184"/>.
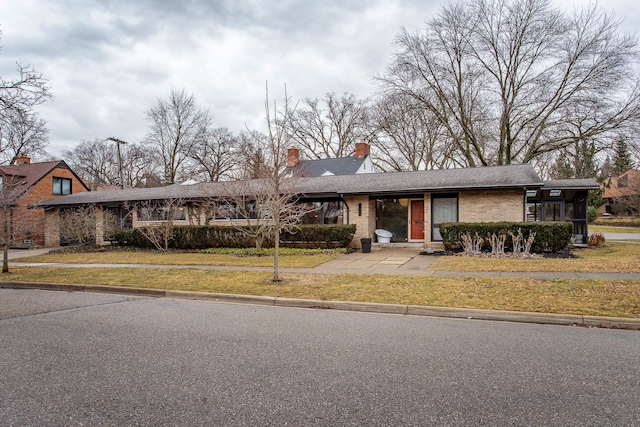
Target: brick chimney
<point x="23" y="159"/>
<point x="362" y="150"/>
<point x="293" y="157"/>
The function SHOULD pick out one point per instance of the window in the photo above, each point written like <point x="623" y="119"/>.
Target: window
<point x="160" y="212"/>
<point x="444" y="208"/>
<point x="61" y="185"/>
<point x="393" y="216"/>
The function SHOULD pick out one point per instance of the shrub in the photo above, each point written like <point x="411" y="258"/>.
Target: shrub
<point x="596" y="240"/>
<point x="592" y="214"/>
<point x="549" y="236"/>
<point x="202" y="237"/>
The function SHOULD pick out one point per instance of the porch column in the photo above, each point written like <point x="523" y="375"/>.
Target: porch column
<point x="99" y="225"/>
<point x="51" y="228"/>
<point x="427" y="220"/>
<point x="362" y="213"/>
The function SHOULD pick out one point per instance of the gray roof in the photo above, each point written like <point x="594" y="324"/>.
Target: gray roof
<point x="572" y="184"/>
<point x="376" y="184"/>
<point x="339" y="166"/>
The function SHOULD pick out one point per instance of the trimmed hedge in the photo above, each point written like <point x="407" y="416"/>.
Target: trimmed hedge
<point x="550" y="236"/>
<point x="203" y="237"/>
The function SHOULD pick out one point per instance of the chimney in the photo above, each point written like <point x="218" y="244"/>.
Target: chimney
<point x="293" y="157"/>
<point x="362" y="150"/>
<point x="23" y="159"/>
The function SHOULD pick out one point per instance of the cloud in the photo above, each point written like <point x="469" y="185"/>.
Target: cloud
<point x="110" y="60"/>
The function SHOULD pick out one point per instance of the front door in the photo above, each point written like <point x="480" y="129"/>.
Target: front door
<point x="417" y="220"/>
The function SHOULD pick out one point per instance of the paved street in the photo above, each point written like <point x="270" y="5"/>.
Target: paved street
<point x="100" y="359"/>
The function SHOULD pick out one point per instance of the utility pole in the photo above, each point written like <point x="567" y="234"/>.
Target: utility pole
<point x="118" y="142"/>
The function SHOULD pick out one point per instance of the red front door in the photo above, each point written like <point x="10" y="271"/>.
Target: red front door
<point x="417" y="220"/>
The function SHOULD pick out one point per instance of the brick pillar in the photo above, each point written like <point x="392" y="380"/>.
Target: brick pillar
<point x="99" y="226"/>
<point x="51" y="228"/>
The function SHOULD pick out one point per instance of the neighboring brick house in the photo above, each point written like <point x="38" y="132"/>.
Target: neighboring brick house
<point x="622" y="194"/>
<point x="411" y="205"/>
<point x="26" y="184"/>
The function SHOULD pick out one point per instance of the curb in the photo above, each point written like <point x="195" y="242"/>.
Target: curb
<point x="402" y="309"/>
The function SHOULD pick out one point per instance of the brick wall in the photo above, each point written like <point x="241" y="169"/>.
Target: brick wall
<point x="52" y="228"/>
<point x="491" y="206"/>
<point x="364" y="219"/>
<point x="30" y="223"/>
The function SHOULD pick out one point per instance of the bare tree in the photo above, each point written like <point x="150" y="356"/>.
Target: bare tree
<point x="20" y="128"/>
<point x="96" y="162"/>
<point x="78" y="225"/>
<point x="177" y="125"/>
<point x="329" y="127"/>
<point x="253" y="154"/>
<point x="16" y="226"/>
<point x="408" y="136"/>
<point x="24" y="92"/>
<point x="509" y="80"/>
<point x="268" y="206"/>
<point x="215" y="155"/>
<point x="21" y="131"/>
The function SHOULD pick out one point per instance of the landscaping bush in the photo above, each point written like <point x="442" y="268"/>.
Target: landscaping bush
<point x="596" y="240"/>
<point x="549" y="236"/>
<point x="202" y="237"/>
<point x="319" y="236"/>
<point x="618" y="222"/>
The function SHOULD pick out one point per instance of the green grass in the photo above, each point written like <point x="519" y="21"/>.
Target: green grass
<point x="618" y="298"/>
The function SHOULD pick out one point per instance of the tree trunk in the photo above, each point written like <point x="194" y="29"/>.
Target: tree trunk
<point x="5" y="259"/>
<point x="276" y="254"/>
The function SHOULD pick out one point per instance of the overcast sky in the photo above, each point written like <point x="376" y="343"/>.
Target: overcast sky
<point x="110" y="60"/>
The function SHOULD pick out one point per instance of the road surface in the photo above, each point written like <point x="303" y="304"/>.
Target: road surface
<point x="100" y="359"/>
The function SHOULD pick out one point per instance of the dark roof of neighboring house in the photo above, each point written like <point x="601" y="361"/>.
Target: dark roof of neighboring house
<point x="339" y="166"/>
<point x="377" y="184"/>
<point x="31" y="173"/>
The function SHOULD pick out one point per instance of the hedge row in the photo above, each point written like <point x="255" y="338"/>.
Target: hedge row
<point x="618" y="223"/>
<point x="203" y="237"/>
<point x="550" y="236"/>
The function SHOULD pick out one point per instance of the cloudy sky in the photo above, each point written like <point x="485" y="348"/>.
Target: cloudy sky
<point x="110" y="60"/>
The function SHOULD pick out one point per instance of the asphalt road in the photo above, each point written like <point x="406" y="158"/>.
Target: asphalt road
<point x="100" y="359"/>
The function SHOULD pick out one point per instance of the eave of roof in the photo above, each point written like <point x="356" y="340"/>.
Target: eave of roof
<point x="572" y="184"/>
<point x="393" y="183"/>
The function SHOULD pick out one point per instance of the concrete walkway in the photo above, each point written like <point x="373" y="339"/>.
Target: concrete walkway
<point x="381" y="260"/>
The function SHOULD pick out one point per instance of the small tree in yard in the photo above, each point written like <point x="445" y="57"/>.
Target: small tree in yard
<point x="270" y="205"/>
<point x="163" y="213"/>
<point x="12" y="225"/>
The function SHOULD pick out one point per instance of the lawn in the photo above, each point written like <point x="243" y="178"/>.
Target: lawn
<point x="613" y="229"/>
<point x="238" y="258"/>
<point x="618" y="298"/>
<point x="612" y="258"/>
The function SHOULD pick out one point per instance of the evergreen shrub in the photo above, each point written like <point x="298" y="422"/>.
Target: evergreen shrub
<point x="549" y="237"/>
